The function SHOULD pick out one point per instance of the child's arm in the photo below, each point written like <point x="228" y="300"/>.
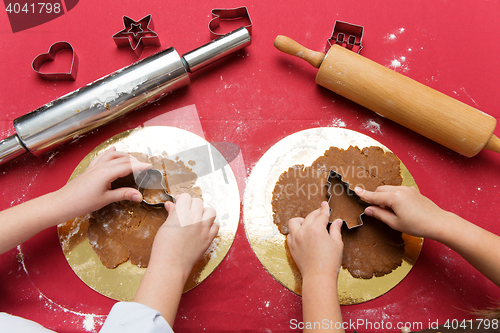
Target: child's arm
<point x="88" y="192"/>
<point x="178" y="245"/>
<point x="414" y="214"/>
<point x="318" y="255"/>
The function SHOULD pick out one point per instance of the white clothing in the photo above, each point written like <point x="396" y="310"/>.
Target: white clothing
<point x="124" y="317"/>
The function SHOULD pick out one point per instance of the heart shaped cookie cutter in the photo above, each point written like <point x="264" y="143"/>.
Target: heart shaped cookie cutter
<point x="50" y="56"/>
<point x="228" y="14"/>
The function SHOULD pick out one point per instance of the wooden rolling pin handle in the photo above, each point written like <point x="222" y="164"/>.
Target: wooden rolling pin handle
<point x="493" y="144"/>
<point x="291" y="47"/>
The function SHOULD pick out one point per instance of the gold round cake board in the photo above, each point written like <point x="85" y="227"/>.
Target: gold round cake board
<point x="219" y="190"/>
<point x="269" y="244"/>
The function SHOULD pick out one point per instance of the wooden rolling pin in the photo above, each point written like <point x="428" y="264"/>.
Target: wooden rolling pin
<point x="437" y="116"/>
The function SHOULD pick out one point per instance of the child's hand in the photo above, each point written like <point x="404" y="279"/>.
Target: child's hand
<point x="91" y="190"/>
<point x="410" y="212"/>
<point x="179" y="244"/>
<point x="185" y="235"/>
<point x="315" y="251"/>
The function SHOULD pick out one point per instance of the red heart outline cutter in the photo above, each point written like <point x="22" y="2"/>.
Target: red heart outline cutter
<point x="50" y="56"/>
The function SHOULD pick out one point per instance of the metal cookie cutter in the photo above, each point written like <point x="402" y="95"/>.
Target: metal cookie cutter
<point x="153" y="188"/>
<point x="228" y="14"/>
<point x="50" y="56"/>
<point x="346" y="35"/>
<point x="345" y="186"/>
<point x="137" y="34"/>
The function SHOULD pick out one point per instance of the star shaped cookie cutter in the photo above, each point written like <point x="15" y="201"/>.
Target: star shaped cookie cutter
<point x="137" y="34"/>
<point x="332" y="176"/>
<point x="228" y="14"/>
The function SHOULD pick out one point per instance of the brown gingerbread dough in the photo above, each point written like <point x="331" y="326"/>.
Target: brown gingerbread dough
<point x="299" y="191"/>
<point x="372" y="249"/>
<point x="154" y="196"/>
<point x="125" y="230"/>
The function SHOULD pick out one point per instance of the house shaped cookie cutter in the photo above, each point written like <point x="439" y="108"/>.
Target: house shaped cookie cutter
<point x="346" y="35"/>
<point x="350" y="192"/>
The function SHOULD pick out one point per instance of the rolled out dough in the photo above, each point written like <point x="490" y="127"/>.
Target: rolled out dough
<point x="125" y="230"/>
<point x="373" y="249"/>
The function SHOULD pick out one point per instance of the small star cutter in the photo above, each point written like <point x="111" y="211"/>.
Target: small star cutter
<point x="137" y="34"/>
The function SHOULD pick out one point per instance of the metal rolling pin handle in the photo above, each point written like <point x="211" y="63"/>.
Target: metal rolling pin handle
<point x="112" y="96"/>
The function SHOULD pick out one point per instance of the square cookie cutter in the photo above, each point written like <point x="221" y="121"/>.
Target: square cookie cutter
<point x="350" y="192"/>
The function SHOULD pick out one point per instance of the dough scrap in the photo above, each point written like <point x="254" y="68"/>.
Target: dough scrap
<point x="373" y="249"/>
<point x="125" y="230"/>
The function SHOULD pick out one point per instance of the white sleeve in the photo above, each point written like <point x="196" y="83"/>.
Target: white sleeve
<point x="14" y="324"/>
<point x="133" y="317"/>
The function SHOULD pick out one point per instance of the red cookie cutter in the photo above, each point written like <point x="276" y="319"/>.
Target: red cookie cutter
<point x="50" y="56"/>
<point x="228" y="14"/>
<point x="137" y="34"/>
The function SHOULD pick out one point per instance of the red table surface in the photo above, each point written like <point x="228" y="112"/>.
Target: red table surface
<point x="254" y="99"/>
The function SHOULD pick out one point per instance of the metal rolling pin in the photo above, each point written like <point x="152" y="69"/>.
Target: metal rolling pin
<point x="112" y="96"/>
